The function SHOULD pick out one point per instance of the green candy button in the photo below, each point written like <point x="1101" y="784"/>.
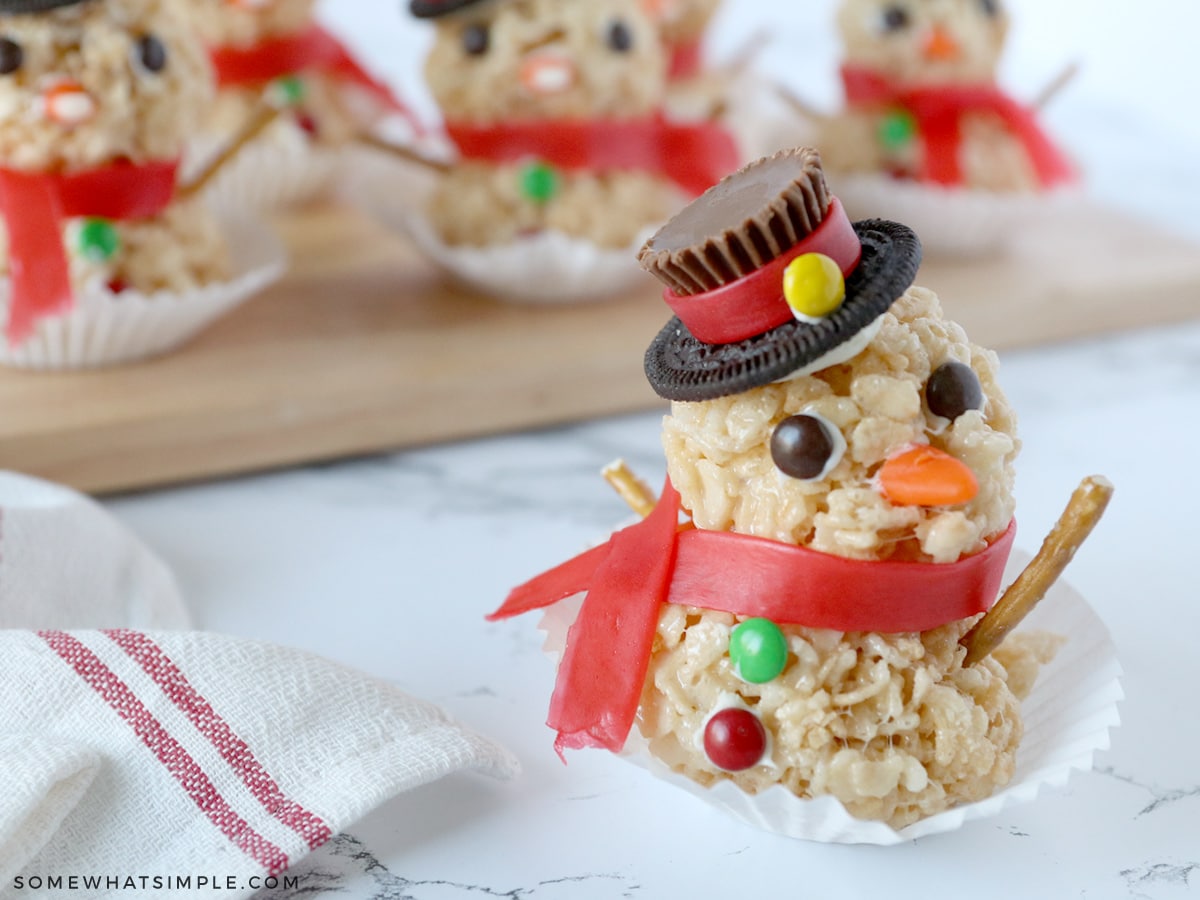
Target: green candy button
<point x="99" y="240"/>
<point x="288" y="91"/>
<point x="540" y="182"/>
<point x="759" y="651"/>
<point x="897" y="130"/>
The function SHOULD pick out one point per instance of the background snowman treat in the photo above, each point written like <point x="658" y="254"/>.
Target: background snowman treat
<point x="683" y="25"/>
<point x="98" y="99"/>
<point x="554" y="108"/>
<point x="274" y="52"/>
<point x="845" y="456"/>
<point x="923" y="103"/>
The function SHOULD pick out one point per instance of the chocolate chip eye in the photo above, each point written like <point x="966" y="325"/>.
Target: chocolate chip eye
<point x="953" y="389"/>
<point x="620" y="37"/>
<point x="807" y="447"/>
<point x="152" y="54"/>
<point x="991" y="8"/>
<point x="11" y="56"/>
<point x="895" y="18"/>
<point x="476" y="39"/>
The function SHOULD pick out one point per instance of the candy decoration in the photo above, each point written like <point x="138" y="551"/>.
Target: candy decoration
<point x="926" y="476"/>
<point x="814" y="286"/>
<point x="897" y="130"/>
<point x="98" y="240"/>
<point x="807" y="447"/>
<point x="12" y="56"/>
<point x="735" y="740"/>
<point x="953" y="389"/>
<point x="288" y="91"/>
<point x="759" y="651"/>
<point x="540" y="182"/>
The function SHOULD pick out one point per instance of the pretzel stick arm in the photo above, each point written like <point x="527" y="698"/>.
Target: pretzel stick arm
<point x="1056" y="87"/>
<point x="401" y="152"/>
<point x="263" y="116"/>
<point x="1072" y="529"/>
<point x="631" y="489"/>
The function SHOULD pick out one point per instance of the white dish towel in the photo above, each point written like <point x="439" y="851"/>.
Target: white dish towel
<point x="131" y="760"/>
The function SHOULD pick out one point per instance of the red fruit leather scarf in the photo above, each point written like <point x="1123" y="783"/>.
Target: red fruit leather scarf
<point x="314" y="50"/>
<point x="630" y="577"/>
<point x="687" y="59"/>
<point x="939" y="111"/>
<point x="693" y="155"/>
<point x="34" y="207"/>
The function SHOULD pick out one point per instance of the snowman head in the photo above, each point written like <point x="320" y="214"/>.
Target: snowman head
<point x="819" y="399"/>
<point x="544" y="59"/>
<point x="243" y="23"/>
<point x="86" y="84"/>
<point x="923" y="42"/>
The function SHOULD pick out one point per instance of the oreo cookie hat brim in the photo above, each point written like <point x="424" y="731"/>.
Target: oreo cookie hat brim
<point x="19" y="7"/>
<point x="680" y="367"/>
<point x="432" y="9"/>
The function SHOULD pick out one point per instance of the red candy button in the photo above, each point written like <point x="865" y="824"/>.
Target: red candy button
<point x="735" y="740"/>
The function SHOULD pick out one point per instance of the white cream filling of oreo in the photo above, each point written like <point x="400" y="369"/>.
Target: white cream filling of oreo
<point x="842" y="353"/>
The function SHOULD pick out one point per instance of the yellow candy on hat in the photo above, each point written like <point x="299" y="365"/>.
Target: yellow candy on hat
<point x="814" y="286"/>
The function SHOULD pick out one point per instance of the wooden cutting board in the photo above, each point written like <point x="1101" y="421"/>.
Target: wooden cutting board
<point x="363" y="348"/>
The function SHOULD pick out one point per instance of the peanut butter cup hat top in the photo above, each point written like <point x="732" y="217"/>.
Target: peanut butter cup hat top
<point x="769" y="280"/>
<point x="16" y="7"/>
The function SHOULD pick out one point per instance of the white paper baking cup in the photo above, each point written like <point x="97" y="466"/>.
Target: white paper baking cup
<point x="546" y="269"/>
<point x="281" y="168"/>
<point x="1068" y="717"/>
<point x="105" y="329"/>
<point x="952" y="222"/>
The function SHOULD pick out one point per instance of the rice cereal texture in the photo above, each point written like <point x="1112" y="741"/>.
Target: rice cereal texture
<point x="131" y="111"/>
<point x="329" y="114"/>
<point x="535" y="61"/>
<point x="898" y="47"/>
<point x="892" y="725"/>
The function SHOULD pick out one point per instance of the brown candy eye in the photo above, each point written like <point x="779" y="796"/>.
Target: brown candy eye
<point x="476" y="40"/>
<point x="953" y="389"/>
<point x="991" y="8"/>
<point x="895" y="18"/>
<point x="620" y="37"/>
<point x="151" y="54"/>
<point x="11" y="56"/>
<point x="806" y="447"/>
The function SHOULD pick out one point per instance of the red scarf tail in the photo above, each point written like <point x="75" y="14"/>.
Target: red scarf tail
<point x="40" y="283"/>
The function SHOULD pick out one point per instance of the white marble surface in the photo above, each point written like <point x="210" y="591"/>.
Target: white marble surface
<point x="390" y="564"/>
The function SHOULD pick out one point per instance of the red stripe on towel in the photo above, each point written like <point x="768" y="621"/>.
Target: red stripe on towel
<point x="169" y="752"/>
<point x="235" y="751"/>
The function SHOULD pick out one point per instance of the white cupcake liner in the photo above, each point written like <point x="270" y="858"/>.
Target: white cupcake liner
<point x="105" y="329"/>
<point x="952" y="222"/>
<point x="1068" y="717"/>
<point x="546" y="269"/>
<point x="280" y="169"/>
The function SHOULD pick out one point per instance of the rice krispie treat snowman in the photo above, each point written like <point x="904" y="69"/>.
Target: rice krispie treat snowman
<point x="97" y="100"/>
<point x="844" y="456"/>
<point x="257" y="45"/>
<point x="923" y="103"/>
<point x="555" y="110"/>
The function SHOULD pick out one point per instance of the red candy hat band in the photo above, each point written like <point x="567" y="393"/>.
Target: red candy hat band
<point x="628" y="579"/>
<point x="755" y="304"/>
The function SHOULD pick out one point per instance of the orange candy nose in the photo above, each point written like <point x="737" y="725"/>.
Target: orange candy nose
<point x="940" y="45"/>
<point x="926" y="476"/>
<point x="547" y="73"/>
<point x="68" y="103"/>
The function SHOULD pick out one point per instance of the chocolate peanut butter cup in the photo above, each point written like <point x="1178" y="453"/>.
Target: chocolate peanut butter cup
<point x="725" y="260"/>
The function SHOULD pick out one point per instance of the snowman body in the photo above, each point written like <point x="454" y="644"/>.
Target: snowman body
<point x="892" y="725"/>
<point x="542" y="65"/>
<point x="106" y="94"/>
<point x="900" y="54"/>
